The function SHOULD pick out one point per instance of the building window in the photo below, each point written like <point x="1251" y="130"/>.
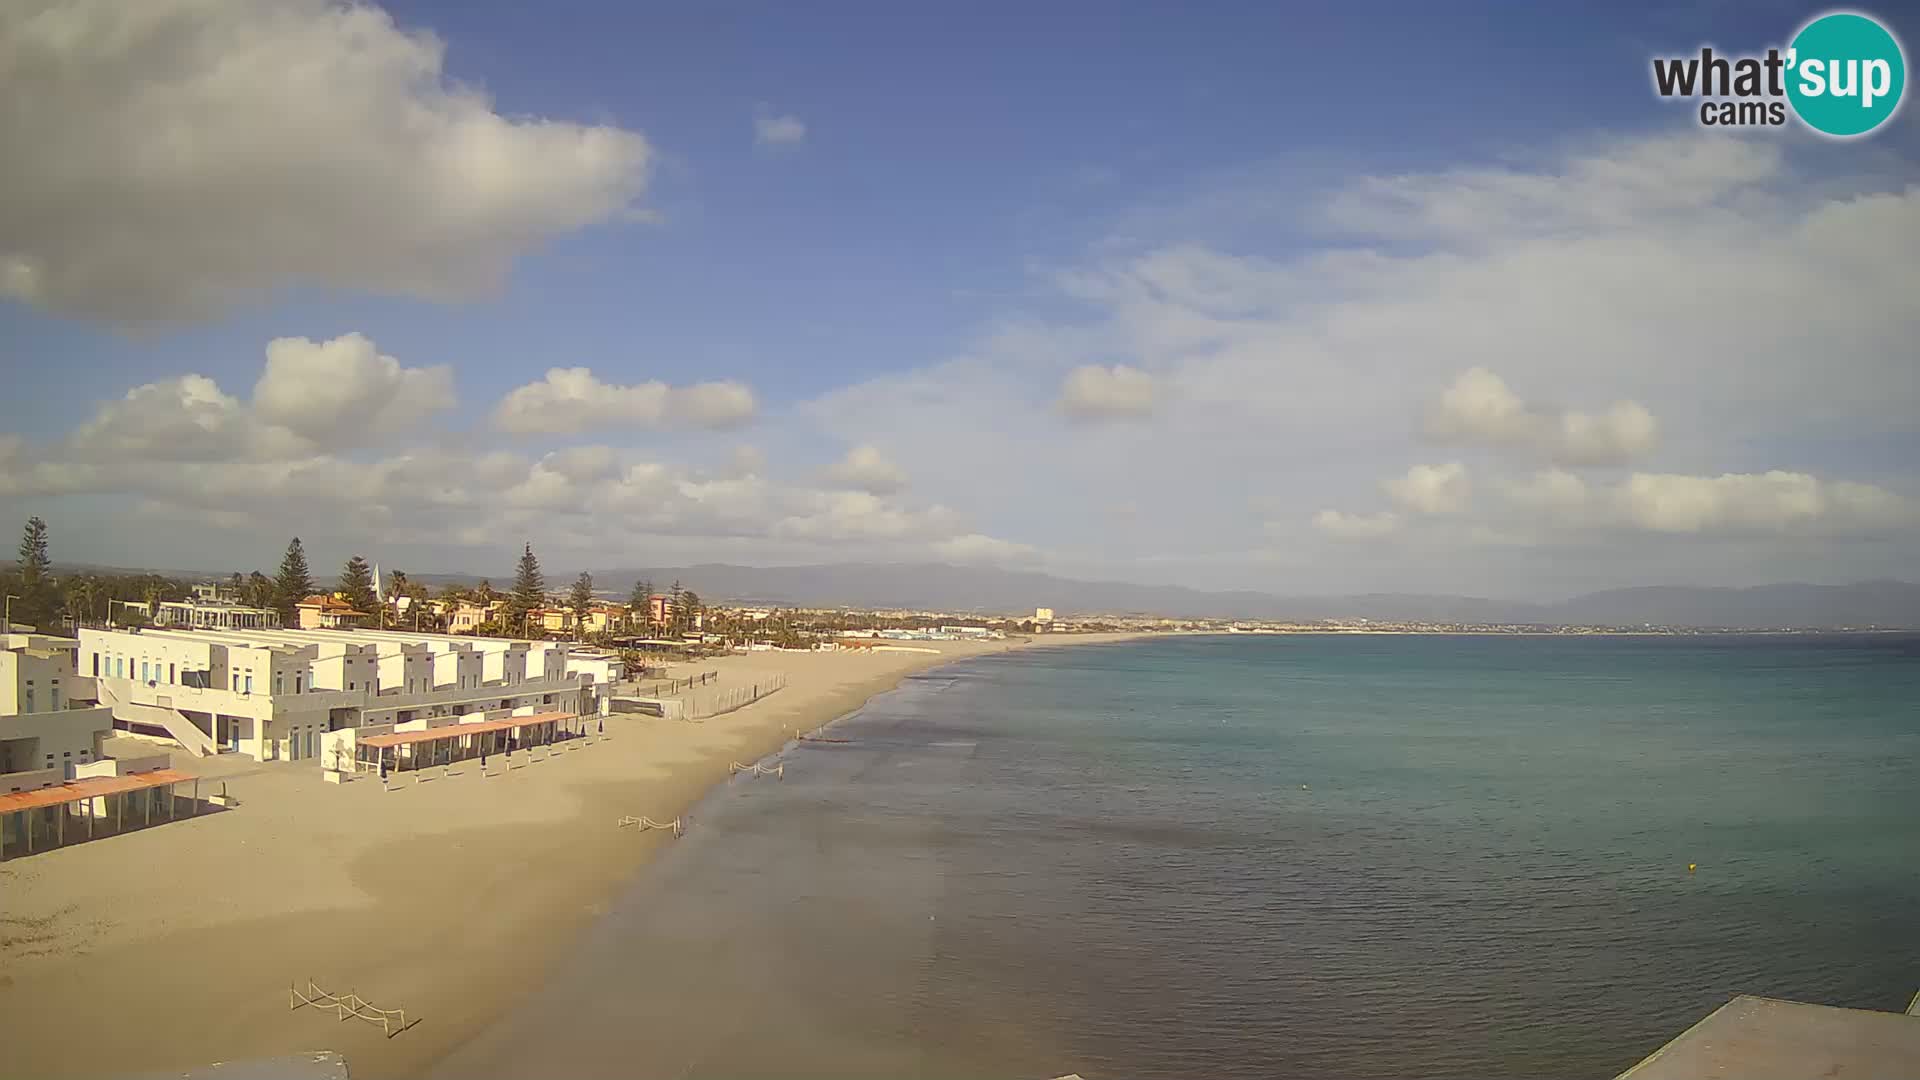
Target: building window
<point x="249" y="684"/>
<point x="297" y="679"/>
<point x="29" y="707"/>
<point x="56" y="698"/>
<point x="170" y="677"/>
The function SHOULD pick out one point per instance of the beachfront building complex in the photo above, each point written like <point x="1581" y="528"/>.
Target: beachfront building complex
<point x="215" y="615"/>
<point x="49" y="724"/>
<point x="274" y="694"/>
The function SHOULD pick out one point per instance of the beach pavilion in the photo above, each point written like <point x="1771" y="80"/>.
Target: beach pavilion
<point x="36" y="820"/>
<point x="449" y="743"/>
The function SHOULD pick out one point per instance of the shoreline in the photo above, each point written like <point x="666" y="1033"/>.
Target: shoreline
<point x="451" y="899"/>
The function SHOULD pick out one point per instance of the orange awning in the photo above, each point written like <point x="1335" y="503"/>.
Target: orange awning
<point x="93" y="787"/>
<point x="455" y="731"/>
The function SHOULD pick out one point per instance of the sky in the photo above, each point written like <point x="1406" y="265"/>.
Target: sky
<point x="1312" y="298"/>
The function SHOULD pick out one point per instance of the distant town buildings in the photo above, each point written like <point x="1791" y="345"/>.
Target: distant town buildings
<point x="329" y="613"/>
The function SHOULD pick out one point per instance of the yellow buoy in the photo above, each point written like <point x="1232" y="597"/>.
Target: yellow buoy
<point x="1689" y="868"/>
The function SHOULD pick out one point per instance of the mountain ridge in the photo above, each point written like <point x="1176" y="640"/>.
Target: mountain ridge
<point x="940" y="586"/>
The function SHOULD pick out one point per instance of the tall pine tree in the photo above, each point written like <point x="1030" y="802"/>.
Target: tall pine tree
<point x="641" y="604"/>
<point x="529" y="592"/>
<point x="36" y="603"/>
<point x="293" y="584"/>
<point x="356" y="584"/>
<point x="581" y="601"/>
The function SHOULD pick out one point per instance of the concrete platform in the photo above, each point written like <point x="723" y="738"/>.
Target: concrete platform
<point x="1756" y="1038"/>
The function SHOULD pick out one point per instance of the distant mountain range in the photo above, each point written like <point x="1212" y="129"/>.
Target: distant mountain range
<point x="937" y="586"/>
<point x="990" y="591"/>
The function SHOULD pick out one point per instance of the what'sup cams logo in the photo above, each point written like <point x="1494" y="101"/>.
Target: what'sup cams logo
<point x="1844" y="74"/>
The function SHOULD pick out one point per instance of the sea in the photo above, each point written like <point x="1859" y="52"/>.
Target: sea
<point x="1366" y="856"/>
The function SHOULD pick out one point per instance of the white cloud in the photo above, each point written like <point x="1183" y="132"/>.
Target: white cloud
<point x="856" y="515"/>
<point x="1356" y="526"/>
<point x="1775" y="502"/>
<point x="748" y="460"/>
<point x="322" y="389"/>
<point x="777" y="129"/>
<point x="233" y="149"/>
<point x="1772" y="501"/>
<point x="1093" y="391"/>
<point x="979" y="549"/>
<point x="187" y="418"/>
<point x="1433" y="489"/>
<point x="309" y="393"/>
<point x="865" y="468"/>
<point x="1625" y="182"/>
<point x="1478" y="408"/>
<point x="574" y="399"/>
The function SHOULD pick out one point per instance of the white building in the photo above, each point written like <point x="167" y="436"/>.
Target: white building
<point x="49" y="724"/>
<point x="273" y="694"/>
<point x="215" y="615"/>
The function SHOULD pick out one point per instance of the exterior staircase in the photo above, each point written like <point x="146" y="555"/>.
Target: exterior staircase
<point x="176" y="723"/>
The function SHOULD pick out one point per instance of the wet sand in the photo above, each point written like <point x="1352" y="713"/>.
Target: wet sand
<point x="175" y="945"/>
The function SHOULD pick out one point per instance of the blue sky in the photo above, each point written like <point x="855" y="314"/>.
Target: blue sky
<point x="1276" y="235"/>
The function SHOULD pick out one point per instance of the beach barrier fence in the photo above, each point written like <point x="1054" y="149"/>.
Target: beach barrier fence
<point x="644" y="823"/>
<point x="351" y="1005"/>
<point x="740" y="697"/>
<point x="680" y="686"/>
<point x="778" y="771"/>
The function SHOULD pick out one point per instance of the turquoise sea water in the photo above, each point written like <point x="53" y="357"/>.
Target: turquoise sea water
<point x="1314" y="856"/>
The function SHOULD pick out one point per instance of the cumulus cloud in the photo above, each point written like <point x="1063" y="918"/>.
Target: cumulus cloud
<point x="777" y="129"/>
<point x="1778" y="501"/>
<point x="1480" y="409"/>
<point x="865" y="468"/>
<point x="1347" y="526"/>
<point x="857" y="515"/>
<point x="233" y="149"/>
<point x="1093" y="391"/>
<point x="307" y="394"/>
<point x="573" y="399"/>
<point x="187" y="418"/>
<point x="1433" y="489"/>
<point x="981" y="550"/>
<point x="1771" y="501"/>
<point x="324" y="388"/>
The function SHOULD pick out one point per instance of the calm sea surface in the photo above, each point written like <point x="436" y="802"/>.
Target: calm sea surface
<point x="1297" y="856"/>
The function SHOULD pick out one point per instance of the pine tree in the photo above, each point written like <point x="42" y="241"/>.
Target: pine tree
<point x="35" y="580"/>
<point x="529" y="591"/>
<point x="258" y="591"/>
<point x="688" y="613"/>
<point x="641" y="603"/>
<point x="293" y="584"/>
<point x="356" y="583"/>
<point x="581" y="601"/>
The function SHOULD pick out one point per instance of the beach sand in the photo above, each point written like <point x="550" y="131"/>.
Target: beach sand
<point x="175" y="945"/>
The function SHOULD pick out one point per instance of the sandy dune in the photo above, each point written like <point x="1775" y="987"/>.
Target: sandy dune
<point x="175" y="945"/>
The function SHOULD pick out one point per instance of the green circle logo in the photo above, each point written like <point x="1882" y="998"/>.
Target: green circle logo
<point x="1846" y="74"/>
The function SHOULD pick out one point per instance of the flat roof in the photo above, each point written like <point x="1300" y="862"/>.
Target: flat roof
<point x="454" y="731"/>
<point x="1757" y="1038"/>
<point x="93" y="787"/>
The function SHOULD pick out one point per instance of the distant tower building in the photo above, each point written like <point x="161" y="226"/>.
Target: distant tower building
<point x="1043" y="619"/>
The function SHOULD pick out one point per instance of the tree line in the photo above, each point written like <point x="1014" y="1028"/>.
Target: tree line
<point x="37" y="597"/>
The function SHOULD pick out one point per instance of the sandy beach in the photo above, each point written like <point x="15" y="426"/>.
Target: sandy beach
<point x="175" y="945"/>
